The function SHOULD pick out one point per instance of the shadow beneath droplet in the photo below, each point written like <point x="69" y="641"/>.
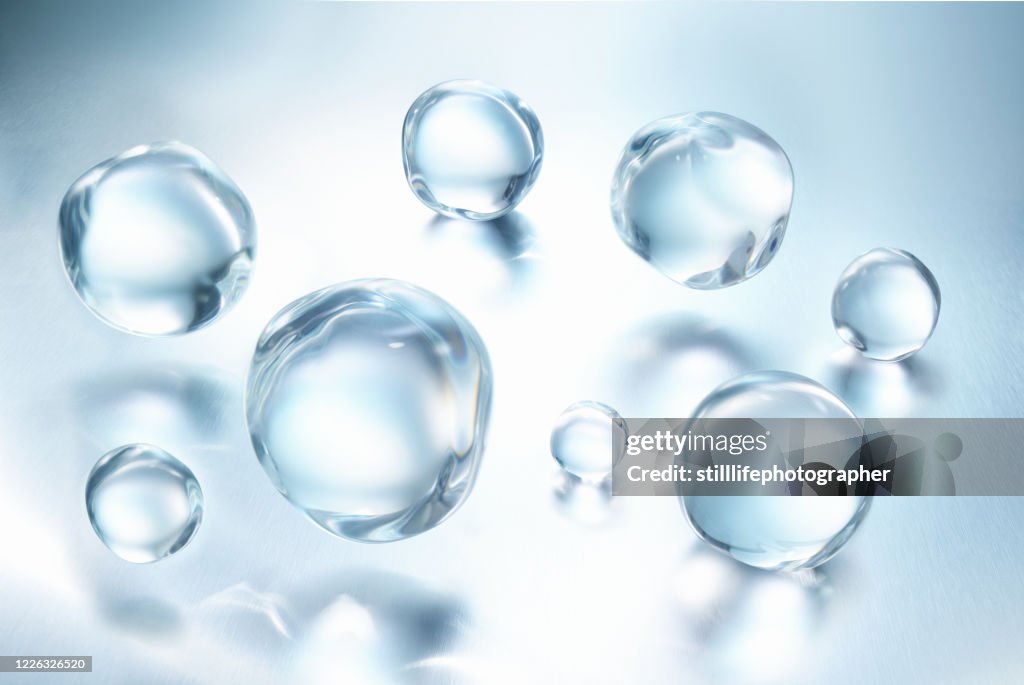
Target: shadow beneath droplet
<point x="372" y="627"/>
<point x="751" y="625"/>
<point x="145" y="617"/>
<point x="496" y="255"/>
<point x="510" y="237"/>
<point x="669" y="363"/>
<point x="581" y="501"/>
<point x="883" y="389"/>
<point x="172" y="407"/>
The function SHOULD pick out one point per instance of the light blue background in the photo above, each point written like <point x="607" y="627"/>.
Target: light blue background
<point x="904" y="127"/>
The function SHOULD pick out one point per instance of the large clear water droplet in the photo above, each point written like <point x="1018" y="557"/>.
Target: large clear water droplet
<point x="471" y="150"/>
<point x="886" y="304"/>
<point x="158" y="240"/>
<point x="704" y="197"/>
<point x="779" y="532"/>
<point x="588" y="440"/>
<point x="143" y="503"/>
<point x="367" y="404"/>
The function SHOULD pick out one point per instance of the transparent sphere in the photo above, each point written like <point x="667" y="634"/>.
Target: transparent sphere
<point x="158" y="240"/>
<point x="779" y="532"/>
<point x="367" y="405"/>
<point x="886" y="304"/>
<point x="471" y="150"/>
<point x="703" y="197"/>
<point x="143" y="503"/>
<point x="588" y="440"/>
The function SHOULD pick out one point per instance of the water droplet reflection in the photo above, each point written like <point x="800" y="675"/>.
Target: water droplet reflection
<point x="176" y="407"/>
<point x="583" y="502"/>
<point x="510" y="237"/>
<point x="498" y="257"/>
<point x="260" y="620"/>
<point x="752" y="626"/>
<point x="883" y="389"/>
<point x="371" y="628"/>
<point x="669" y="363"/>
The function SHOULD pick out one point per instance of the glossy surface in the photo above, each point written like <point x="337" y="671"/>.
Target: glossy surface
<point x="704" y="197"/>
<point x="471" y="150"/>
<point x="886" y="304"/>
<point x="859" y="94"/>
<point x="367" y="405"/>
<point x="779" y="532"/>
<point x="588" y="440"/>
<point x="143" y="503"/>
<point x="158" y="240"/>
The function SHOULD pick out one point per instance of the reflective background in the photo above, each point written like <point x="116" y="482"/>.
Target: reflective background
<point x="903" y="124"/>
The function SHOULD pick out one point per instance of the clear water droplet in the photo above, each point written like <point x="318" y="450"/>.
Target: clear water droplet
<point x="158" y="240"/>
<point x="779" y="532"/>
<point x="143" y="503"/>
<point x="367" y="405"/>
<point x="703" y="197"/>
<point x="588" y="440"/>
<point x="886" y="304"/>
<point x="471" y="150"/>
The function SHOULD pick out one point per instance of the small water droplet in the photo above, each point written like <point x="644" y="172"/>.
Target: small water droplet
<point x="886" y="304"/>
<point x="779" y="532"/>
<point x="471" y="150"/>
<point x="375" y="441"/>
<point x="703" y="197"/>
<point x="158" y="240"/>
<point x="143" y="503"/>
<point x="588" y="440"/>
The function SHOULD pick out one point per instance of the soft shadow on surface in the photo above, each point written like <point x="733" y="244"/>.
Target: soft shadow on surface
<point x="497" y="254"/>
<point x="510" y="237"/>
<point x="883" y="389"/>
<point x="239" y="621"/>
<point x="168" y="406"/>
<point x="583" y="502"/>
<point x="356" y="627"/>
<point x="668" y="364"/>
<point x="145" y="617"/>
<point x="373" y="627"/>
<point x="748" y="625"/>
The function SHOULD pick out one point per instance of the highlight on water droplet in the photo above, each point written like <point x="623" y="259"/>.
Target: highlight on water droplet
<point x="471" y="150"/>
<point x="143" y="503"/>
<point x="367" y="404"/>
<point x="588" y="440"/>
<point x="886" y="304"/>
<point x="703" y="197"/>
<point x="780" y="532"/>
<point x="158" y="240"/>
